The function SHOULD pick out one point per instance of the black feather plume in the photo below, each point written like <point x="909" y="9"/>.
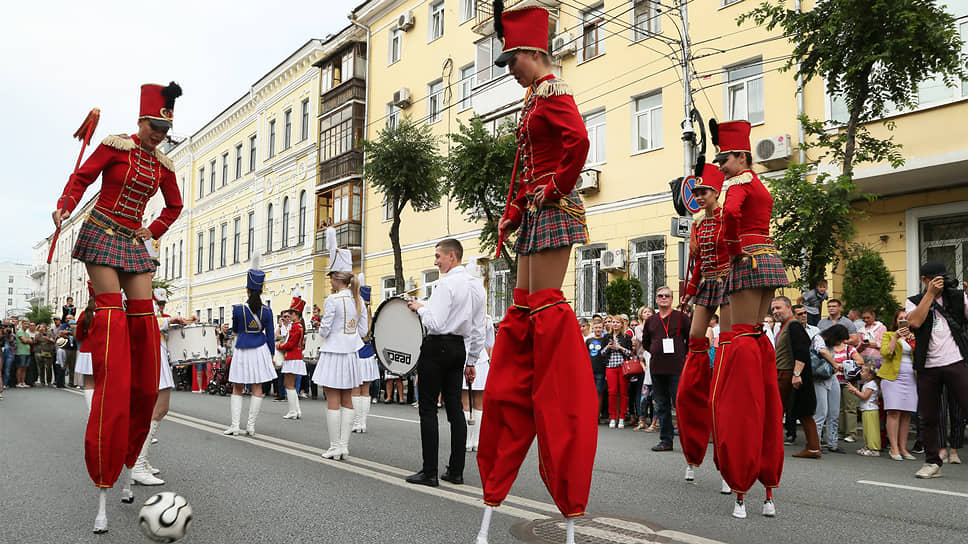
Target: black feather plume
<point x="171" y="92"/>
<point x="714" y="132"/>
<point x="498" y="23"/>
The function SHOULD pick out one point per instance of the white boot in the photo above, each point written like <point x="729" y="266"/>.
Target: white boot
<point x="292" y="399"/>
<point x="89" y="398"/>
<point x="357" y="427"/>
<point x="296" y="402"/>
<point x="332" y="428"/>
<point x="690" y="473"/>
<point x="235" y="402"/>
<point x="485" y="525"/>
<point x="140" y="473"/>
<point x="479" y="419"/>
<point x="345" y="427"/>
<point x="101" y="520"/>
<point x="127" y="496"/>
<point x="725" y="490"/>
<point x="255" y="405"/>
<point x="365" y="404"/>
<point x="469" y="443"/>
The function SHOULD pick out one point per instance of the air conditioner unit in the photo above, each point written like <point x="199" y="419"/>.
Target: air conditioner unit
<point x="401" y="98"/>
<point x="773" y="148"/>
<point x="588" y="181"/>
<point x="613" y="259"/>
<point x="405" y="20"/>
<point x="564" y="44"/>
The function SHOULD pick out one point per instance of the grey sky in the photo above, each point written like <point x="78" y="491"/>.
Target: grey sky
<point x="59" y="59"/>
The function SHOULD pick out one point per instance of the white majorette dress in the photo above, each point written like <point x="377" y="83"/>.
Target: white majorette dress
<point x="484" y="361"/>
<point x="342" y="328"/>
<point x="254" y="345"/>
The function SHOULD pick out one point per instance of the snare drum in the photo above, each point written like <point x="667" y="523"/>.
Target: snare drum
<point x="397" y="335"/>
<point x="192" y="344"/>
<point x="314" y="343"/>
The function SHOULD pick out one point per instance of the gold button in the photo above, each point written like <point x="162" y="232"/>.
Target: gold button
<point x="109" y="231"/>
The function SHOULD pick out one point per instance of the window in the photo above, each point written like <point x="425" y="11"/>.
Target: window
<point x="595" y="125"/>
<point x="591" y="42"/>
<point x="488" y="49"/>
<point x="345" y="68"/>
<point x="590" y="281"/>
<point x="221" y="315"/>
<point x="730" y="2"/>
<point x="327" y="78"/>
<point x="427" y="277"/>
<point x="252" y="153"/>
<point x="208" y="312"/>
<point x="347" y="203"/>
<point x="304" y="128"/>
<point x="198" y="315"/>
<point x="285" y="222"/>
<point x="225" y="168"/>
<point x="180" y="258"/>
<point x="9" y="290"/>
<point x="393" y="115"/>
<point x="211" y="248"/>
<point x="648" y="265"/>
<point x="238" y="161"/>
<point x="945" y="239"/>
<point x="201" y="252"/>
<point x="387" y="210"/>
<point x="466" y="84"/>
<point x="250" y="242"/>
<point x="646" y="19"/>
<point x="236" y="239"/>
<point x="388" y="287"/>
<point x="744" y="95"/>
<point x="436" y="26"/>
<point x="9" y="279"/>
<point x="167" y="264"/>
<point x="468" y="10"/>
<point x="647" y="122"/>
<point x="396" y="39"/>
<point x="287" y="127"/>
<point x="435" y="101"/>
<point x="269" y="228"/>
<point x="340" y="131"/>
<point x="9" y="302"/>
<point x="301" y="221"/>
<point x="222" y="250"/>
<point x="201" y="182"/>
<point x="211" y="177"/>
<point x="272" y="138"/>
<point x="499" y="288"/>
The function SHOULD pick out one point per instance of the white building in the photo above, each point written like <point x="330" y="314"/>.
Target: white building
<point x="18" y="288"/>
<point x="38" y="273"/>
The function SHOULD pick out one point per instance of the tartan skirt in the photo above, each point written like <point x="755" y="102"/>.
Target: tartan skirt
<point x="552" y="227"/>
<point x="712" y="293"/>
<point x="768" y="273"/>
<point x="102" y="241"/>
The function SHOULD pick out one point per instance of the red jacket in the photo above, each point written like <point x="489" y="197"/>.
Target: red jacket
<point x="746" y="213"/>
<point x="707" y="247"/>
<point x="552" y="145"/>
<point x="130" y="176"/>
<point x="293" y="346"/>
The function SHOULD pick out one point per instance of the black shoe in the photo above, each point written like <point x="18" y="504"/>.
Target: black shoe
<point x="918" y="447"/>
<point x="421" y="478"/>
<point x="789" y="440"/>
<point x="662" y="446"/>
<point x="838" y="449"/>
<point x="455" y="479"/>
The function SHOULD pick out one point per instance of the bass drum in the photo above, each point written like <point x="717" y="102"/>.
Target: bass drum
<point x="192" y="344"/>
<point x="397" y="335"/>
<point x="314" y="343"/>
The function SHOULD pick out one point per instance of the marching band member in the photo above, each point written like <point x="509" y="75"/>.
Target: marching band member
<point x="254" y="346"/>
<point x="707" y="287"/>
<point x="84" y="365"/>
<point x="293" y="348"/>
<point x="539" y="383"/>
<point x="478" y="385"/>
<point x="745" y="398"/>
<point x="124" y="348"/>
<point x="342" y="327"/>
<point x="369" y="370"/>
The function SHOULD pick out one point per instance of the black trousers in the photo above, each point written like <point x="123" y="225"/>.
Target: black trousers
<point x="439" y="371"/>
<point x="930" y="393"/>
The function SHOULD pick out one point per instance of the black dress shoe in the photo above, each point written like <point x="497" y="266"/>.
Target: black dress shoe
<point x="455" y="479"/>
<point x="421" y="478"/>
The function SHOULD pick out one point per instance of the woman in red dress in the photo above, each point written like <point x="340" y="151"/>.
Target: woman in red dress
<point x="124" y="344"/>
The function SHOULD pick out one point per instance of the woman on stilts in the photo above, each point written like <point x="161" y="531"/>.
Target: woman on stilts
<point x="293" y="348"/>
<point x="124" y="344"/>
<point x="539" y="383"/>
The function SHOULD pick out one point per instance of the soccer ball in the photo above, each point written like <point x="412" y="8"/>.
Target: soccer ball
<point x="165" y="516"/>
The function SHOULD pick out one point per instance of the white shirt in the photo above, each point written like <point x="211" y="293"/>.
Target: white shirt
<point x="457" y="307"/>
<point x="342" y="327"/>
<point x="871" y="402"/>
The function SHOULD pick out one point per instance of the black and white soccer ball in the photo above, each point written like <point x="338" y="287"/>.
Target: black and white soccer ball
<point x="165" y="517"/>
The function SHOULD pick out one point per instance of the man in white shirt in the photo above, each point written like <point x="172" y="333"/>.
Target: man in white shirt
<point x="455" y="312"/>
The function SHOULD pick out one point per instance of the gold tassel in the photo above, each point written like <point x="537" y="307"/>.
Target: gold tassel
<point x="164" y="160"/>
<point x="553" y="87"/>
<point x="121" y="142"/>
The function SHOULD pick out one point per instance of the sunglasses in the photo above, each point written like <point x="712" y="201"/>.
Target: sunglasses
<point x="663" y="296"/>
<point x="801" y="314"/>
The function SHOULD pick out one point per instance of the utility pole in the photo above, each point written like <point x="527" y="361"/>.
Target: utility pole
<point x="688" y="133"/>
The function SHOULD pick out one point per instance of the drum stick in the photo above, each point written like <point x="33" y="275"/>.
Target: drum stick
<point x="470" y="402"/>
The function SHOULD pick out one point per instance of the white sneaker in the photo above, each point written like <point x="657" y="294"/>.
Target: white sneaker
<point x="143" y="477"/>
<point x="953" y="458"/>
<point x="725" y="490"/>
<point x="769" y="509"/>
<point x="621" y="424"/>
<point x="611" y="424"/>
<point x="850" y="439"/>
<point x="739" y="510"/>
<point x="690" y="473"/>
<point x="929" y="470"/>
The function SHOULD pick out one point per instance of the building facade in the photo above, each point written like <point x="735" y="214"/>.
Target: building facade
<point x="17" y="289"/>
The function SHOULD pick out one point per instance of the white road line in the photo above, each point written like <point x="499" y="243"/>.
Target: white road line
<point x="913" y="488"/>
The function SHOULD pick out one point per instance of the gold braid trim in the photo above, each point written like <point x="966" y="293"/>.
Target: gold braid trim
<point x="123" y="142"/>
<point x="164" y="160"/>
<point x="553" y="87"/>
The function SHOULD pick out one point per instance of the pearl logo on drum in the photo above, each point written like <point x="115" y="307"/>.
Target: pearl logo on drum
<point x="396" y="357"/>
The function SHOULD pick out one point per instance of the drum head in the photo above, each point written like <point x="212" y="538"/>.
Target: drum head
<point x="397" y="335"/>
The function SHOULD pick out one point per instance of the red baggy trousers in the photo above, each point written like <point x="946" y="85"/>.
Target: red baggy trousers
<point x="771" y="464"/>
<point x="692" y="402"/>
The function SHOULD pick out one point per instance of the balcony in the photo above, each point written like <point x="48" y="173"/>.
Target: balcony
<point x="341" y="167"/>
<point x="351" y="89"/>
<point x="36" y="297"/>
<point x="348" y="235"/>
<point x="37" y="271"/>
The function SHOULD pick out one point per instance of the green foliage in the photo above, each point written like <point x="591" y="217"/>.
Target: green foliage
<point x="478" y="176"/>
<point x="163" y="283"/>
<point x="404" y="164"/>
<point x="868" y="282"/>
<point x="623" y="296"/>
<point x="40" y="314"/>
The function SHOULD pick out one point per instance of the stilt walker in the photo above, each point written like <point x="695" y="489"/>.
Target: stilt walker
<point x="540" y="382"/>
<point x="369" y="368"/>
<point x="707" y="287"/>
<point x="293" y="348"/>
<point x="124" y="344"/>
<point x="747" y="412"/>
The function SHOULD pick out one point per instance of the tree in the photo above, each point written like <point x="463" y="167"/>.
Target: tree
<point x="40" y="314"/>
<point x="404" y="164"/>
<point x="478" y="176"/>
<point x="868" y="282"/>
<point x="623" y="296"/>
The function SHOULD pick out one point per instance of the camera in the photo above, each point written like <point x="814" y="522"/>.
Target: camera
<point x="950" y="283"/>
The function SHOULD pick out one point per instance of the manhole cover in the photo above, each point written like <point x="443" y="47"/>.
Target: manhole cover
<point x="600" y="529"/>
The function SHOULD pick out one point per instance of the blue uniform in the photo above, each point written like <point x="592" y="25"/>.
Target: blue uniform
<point x="249" y="333"/>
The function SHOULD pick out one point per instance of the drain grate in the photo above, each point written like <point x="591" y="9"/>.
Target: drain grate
<point x="602" y="529"/>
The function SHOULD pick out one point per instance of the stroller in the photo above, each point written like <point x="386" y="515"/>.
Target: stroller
<point x="219" y="383"/>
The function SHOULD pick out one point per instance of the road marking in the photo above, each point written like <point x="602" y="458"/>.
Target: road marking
<point x="913" y="488"/>
<point x="417" y="421"/>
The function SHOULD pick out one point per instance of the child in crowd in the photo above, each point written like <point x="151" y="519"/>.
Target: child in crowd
<point x="868" y="409"/>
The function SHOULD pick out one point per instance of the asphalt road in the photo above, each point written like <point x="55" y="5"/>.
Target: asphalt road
<point x="275" y="487"/>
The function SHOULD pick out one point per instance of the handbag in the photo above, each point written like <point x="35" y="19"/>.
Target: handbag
<point x="822" y="369"/>
<point x="632" y="367"/>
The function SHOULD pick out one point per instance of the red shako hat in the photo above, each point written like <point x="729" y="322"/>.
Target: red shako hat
<point x="521" y="28"/>
<point x="711" y="178"/>
<point x="730" y="137"/>
<point x="158" y="103"/>
<point x="298" y="304"/>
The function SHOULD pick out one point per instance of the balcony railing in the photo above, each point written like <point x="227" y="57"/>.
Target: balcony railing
<point x="348" y="234"/>
<point x="351" y="89"/>
<point x="37" y="271"/>
<point x="345" y="165"/>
